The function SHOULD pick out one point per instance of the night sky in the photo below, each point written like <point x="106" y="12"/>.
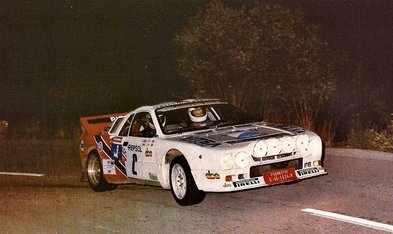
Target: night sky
<point x="364" y="31"/>
<point x="86" y="57"/>
<point x="362" y="28"/>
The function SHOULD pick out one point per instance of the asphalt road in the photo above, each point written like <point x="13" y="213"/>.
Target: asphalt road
<point x="359" y="185"/>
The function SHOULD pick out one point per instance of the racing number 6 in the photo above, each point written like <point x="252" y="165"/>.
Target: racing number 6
<point x="134" y="160"/>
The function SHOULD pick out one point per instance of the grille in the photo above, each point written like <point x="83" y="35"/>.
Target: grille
<point x="273" y="157"/>
<point x="257" y="171"/>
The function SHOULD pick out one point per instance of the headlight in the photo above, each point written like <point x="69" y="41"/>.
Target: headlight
<point x="315" y="147"/>
<point x="305" y="152"/>
<point x="260" y="149"/>
<point x="288" y="144"/>
<point x="227" y="162"/>
<point x="302" y="142"/>
<point x="273" y="146"/>
<point x="242" y="159"/>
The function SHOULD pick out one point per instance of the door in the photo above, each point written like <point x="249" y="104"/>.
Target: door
<point x="139" y="145"/>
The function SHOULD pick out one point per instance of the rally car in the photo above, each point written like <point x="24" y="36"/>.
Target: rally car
<point x="197" y="146"/>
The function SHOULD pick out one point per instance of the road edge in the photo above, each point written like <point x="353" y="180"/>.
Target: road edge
<point x="359" y="153"/>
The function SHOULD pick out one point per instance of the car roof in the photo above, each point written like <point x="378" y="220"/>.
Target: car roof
<point x="184" y="103"/>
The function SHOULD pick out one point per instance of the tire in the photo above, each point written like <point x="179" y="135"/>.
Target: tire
<point x="183" y="186"/>
<point x="95" y="176"/>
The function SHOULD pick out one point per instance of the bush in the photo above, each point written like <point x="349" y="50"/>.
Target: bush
<point x="372" y="139"/>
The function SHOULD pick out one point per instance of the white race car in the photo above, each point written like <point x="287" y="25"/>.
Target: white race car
<point x="198" y="146"/>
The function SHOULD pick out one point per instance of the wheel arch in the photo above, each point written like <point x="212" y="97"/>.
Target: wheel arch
<point x="184" y="189"/>
<point x="91" y="151"/>
<point x="170" y="155"/>
<point x="95" y="175"/>
<point x="83" y="160"/>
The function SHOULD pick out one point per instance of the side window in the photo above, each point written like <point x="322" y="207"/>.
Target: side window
<point x="115" y="125"/>
<point x="142" y="125"/>
<point x="126" y="127"/>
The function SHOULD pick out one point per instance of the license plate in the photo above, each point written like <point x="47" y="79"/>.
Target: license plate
<point x="280" y="176"/>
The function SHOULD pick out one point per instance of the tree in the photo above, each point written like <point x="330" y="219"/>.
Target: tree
<point x="258" y="56"/>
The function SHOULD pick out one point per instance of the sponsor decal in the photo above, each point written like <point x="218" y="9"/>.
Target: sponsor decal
<point x="148" y="153"/>
<point x="108" y="167"/>
<point x="174" y="104"/>
<point x="116" y="151"/>
<point x="201" y="141"/>
<point x="113" y="118"/>
<point x="212" y="176"/>
<point x="245" y="134"/>
<point x="135" y="148"/>
<point x="248" y="182"/>
<point x="307" y="171"/>
<point x="153" y="176"/>
<point x="290" y="128"/>
<point x="100" y="146"/>
<point x="227" y="185"/>
<point x="148" y="142"/>
<point x="117" y="140"/>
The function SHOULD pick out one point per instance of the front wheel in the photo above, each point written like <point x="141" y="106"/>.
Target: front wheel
<point x="183" y="186"/>
<point x="95" y="176"/>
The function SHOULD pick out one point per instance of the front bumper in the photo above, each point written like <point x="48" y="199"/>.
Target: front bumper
<point x="238" y="180"/>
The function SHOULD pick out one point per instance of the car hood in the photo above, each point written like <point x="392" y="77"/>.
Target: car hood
<point x="239" y="134"/>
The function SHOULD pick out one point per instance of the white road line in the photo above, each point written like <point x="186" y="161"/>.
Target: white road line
<point x="21" y="174"/>
<point x="349" y="219"/>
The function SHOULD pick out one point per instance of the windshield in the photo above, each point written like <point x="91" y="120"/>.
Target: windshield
<point x="178" y="120"/>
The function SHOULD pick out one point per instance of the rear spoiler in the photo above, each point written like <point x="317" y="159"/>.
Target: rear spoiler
<point x="94" y="125"/>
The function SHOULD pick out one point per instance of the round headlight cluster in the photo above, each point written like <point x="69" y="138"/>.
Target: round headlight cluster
<point x="242" y="159"/>
<point x="302" y="142"/>
<point x="286" y="144"/>
<point x="273" y="146"/>
<point x="227" y="162"/>
<point x="260" y="149"/>
<point x="315" y="147"/>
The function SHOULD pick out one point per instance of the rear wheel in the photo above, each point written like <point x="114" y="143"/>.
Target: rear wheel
<point x="95" y="176"/>
<point x="183" y="186"/>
